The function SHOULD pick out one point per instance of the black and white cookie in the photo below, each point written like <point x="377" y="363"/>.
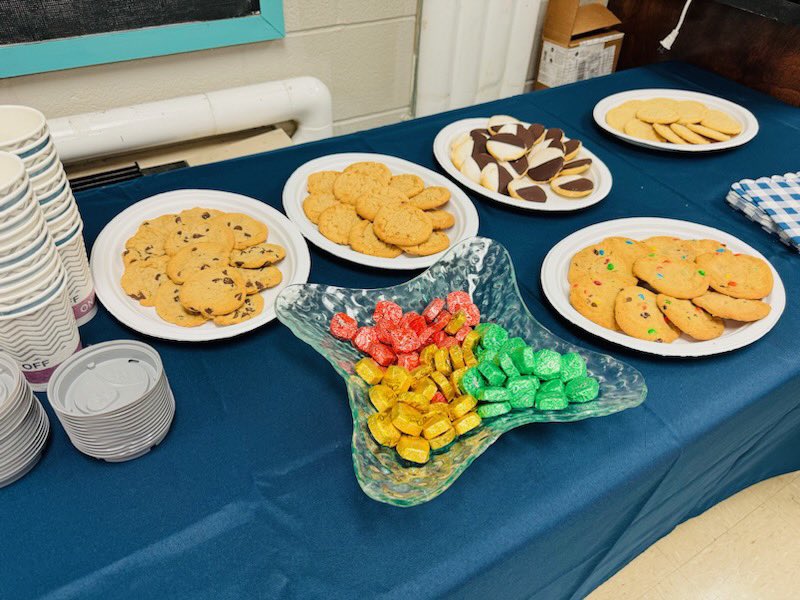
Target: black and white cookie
<point x="545" y="164"/>
<point x="459" y="153"/>
<point x="571" y="149"/>
<point x="554" y="133"/>
<point x="473" y="165"/>
<point x="506" y="146"/>
<point x="526" y="189"/>
<point x="497" y="121"/>
<point x="496" y="178"/>
<point x="573" y="167"/>
<point x="572" y="186"/>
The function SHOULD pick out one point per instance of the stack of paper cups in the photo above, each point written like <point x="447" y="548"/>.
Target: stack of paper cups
<point x="37" y="324"/>
<point x="24" y="132"/>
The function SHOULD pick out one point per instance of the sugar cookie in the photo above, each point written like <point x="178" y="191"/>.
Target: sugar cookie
<point x="722" y="122"/>
<point x="711" y="134"/>
<point x="687" y="134"/>
<point x="618" y="116"/>
<point x="668" y="134"/>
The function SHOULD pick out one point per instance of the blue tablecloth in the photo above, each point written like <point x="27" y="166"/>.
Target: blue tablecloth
<point x="252" y="494"/>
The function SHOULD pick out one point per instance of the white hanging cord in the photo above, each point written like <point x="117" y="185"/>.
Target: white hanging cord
<point x="673" y="35"/>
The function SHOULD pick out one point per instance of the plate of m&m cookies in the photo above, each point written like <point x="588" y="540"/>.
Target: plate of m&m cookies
<point x="663" y="286"/>
<point x="526" y="165"/>
<point x="676" y="120"/>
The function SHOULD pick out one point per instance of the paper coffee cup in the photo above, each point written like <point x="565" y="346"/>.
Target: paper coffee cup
<point x="24" y="129"/>
<point x="41" y="336"/>
<point x="80" y="284"/>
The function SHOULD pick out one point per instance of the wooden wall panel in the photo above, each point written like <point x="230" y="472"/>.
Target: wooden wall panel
<point x="758" y="52"/>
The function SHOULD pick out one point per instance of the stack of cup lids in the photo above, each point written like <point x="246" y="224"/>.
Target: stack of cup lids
<point x="24" y="426"/>
<point x="37" y="323"/>
<point x="24" y="132"/>
<point x="113" y="400"/>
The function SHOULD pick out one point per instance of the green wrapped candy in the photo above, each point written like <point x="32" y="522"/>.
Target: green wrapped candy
<point x="582" y="389"/>
<point x="512" y="344"/>
<point x="523" y="359"/>
<point x="507" y="365"/>
<point x="489" y="411"/>
<point x="547" y="364"/>
<point x="523" y="401"/>
<point x="486" y="355"/>
<point x="472" y="381"/>
<point x="572" y="366"/>
<point x="492" y="373"/>
<point x="551" y="396"/>
<point x="519" y="386"/>
<point x="494" y="394"/>
<point x="480" y="327"/>
<point x="493" y="336"/>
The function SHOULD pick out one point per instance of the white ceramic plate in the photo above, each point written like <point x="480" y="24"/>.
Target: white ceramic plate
<point x="295" y="191"/>
<point x="107" y="266"/>
<point x="556" y="266"/>
<point x="598" y="173"/>
<point x="741" y="114"/>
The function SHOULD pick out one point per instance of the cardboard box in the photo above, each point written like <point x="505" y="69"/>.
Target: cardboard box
<point x="578" y="42"/>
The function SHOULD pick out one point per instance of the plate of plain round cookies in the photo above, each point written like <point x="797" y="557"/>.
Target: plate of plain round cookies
<point x="526" y="165"/>
<point x="676" y="120"/>
<point x="378" y="210"/>
<point x="197" y="265"/>
<point x="664" y="286"/>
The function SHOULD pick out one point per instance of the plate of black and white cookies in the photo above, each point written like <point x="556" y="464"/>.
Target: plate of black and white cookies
<point x="527" y="165"/>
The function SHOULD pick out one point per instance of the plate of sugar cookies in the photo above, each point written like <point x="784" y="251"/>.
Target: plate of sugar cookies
<point x="197" y="265"/>
<point x="378" y="210"/>
<point x="526" y="165"/>
<point x="663" y="286"/>
<point x="676" y="120"/>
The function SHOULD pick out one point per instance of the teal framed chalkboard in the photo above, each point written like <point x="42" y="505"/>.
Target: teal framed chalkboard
<point x="115" y="46"/>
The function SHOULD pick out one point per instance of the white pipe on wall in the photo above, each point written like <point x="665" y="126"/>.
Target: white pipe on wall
<point x="473" y="51"/>
<point x="118" y="130"/>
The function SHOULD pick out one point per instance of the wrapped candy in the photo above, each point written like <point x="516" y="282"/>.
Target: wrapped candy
<point x="406" y="418"/>
<point x="369" y="371"/>
<point x="414" y="449"/>
<point x="435" y="426"/>
<point x="466" y="423"/>
<point x="443" y="440"/>
<point x="551" y="396"/>
<point x="441" y="361"/>
<point x="343" y="326"/>
<point x="582" y="389"/>
<point x="443" y="384"/>
<point x="457" y="322"/>
<point x="456" y="357"/>
<point x="381" y="428"/>
<point x="426" y="388"/>
<point x="547" y="364"/>
<point x="397" y="378"/>
<point x="382" y="397"/>
<point x="495" y="409"/>
<point x="462" y="405"/>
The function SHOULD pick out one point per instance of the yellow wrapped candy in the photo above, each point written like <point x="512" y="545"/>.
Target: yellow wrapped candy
<point x="382" y="397"/>
<point x="461" y="406"/>
<point x="369" y="370"/>
<point x="469" y="357"/>
<point x="440" y="441"/>
<point x="414" y="399"/>
<point x="421" y="372"/>
<point x="457" y="322"/>
<point x="426" y="387"/>
<point x="456" y="357"/>
<point x="455" y="378"/>
<point x="435" y="425"/>
<point x="426" y="356"/>
<point x="381" y="428"/>
<point x="397" y="378"/>
<point x="406" y="418"/>
<point x="471" y="340"/>
<point x="443" y="384"/>
<point x="441" y="360"/>
<point x="414" y="449"/>
<point x="466" y="423"/>
<point x="437" y="408"/>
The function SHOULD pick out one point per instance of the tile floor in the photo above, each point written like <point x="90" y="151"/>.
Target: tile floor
<point x="745" y="547"/>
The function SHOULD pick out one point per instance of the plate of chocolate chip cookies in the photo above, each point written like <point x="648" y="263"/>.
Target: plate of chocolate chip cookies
<point x="526" y="165"/>
<point x="197" y="265"/>
<point x="378" y="210"/>
<point x="664" y="286"/>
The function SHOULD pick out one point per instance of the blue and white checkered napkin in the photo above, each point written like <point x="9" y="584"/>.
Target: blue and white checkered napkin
<point x="772" y="202"/>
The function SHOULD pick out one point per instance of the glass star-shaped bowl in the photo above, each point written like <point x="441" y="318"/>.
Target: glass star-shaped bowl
<point x="483" y="268"/>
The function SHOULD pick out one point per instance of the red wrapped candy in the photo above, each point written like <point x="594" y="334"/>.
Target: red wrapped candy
<point x="457" y="301"/>
<point x="364" y="338"/>
<point x="404" y="340"/>
<point x="343" y="326"/>
<point x="438" y="398"/>
<point x="438" y="337"/>
<point x="381" y="354"/>
<point x="447" y="341"/>
<point x="426" y="337"/>
<point x="386" y="310"/>
<point x="408" y="361"/>
<point x="433" y="309"/>
<point x="462" y="333"/>
<point x="384" y="331"/>
<point x="414" y="322"/>
<point x="473" y="314"/>
<point x="442" y="320"/>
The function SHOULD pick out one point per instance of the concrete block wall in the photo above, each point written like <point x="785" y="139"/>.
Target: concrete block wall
<point x="362" y="49"/>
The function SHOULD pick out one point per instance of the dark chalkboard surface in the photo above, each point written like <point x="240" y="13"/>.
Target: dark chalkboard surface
<point x="24" y="21"/>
